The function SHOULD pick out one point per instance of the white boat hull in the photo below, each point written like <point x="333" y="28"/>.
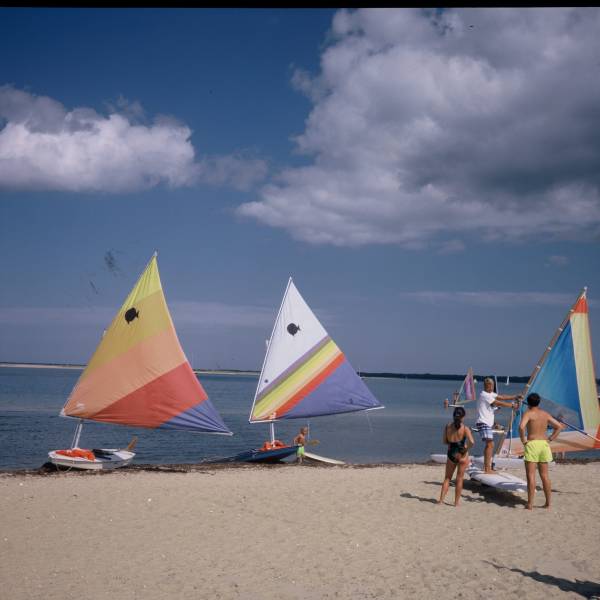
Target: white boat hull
<point x="111" y="459"/>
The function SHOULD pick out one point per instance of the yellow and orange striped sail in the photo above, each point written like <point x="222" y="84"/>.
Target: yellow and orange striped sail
<point x="139" y="375"/>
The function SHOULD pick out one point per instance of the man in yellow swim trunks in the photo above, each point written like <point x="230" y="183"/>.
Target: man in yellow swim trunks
<point x="537" y="448"/>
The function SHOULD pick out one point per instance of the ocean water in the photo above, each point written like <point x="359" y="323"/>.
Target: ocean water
<point x="408" y="429"/>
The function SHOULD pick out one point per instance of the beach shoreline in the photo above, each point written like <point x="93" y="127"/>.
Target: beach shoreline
<point x="294" y="532"/>
<point x="48" y="469"/>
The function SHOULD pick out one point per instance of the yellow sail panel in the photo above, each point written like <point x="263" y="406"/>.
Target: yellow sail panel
<point x="127" y="329"/>
<point x="147" y="284"/>
<point x="586" y="379"/>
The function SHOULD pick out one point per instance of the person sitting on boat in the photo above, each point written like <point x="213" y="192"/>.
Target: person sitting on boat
<point x="487" y="402"/>
<point x="300" y="440"/>
<point x="459" y="439"/>
<point x="455" y="399"/>
<point x="537" y="446"/>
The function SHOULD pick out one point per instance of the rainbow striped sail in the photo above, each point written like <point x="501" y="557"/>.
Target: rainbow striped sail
<point x="139" y="375"/>
<point x="304" y="373"/>
<point x="566" y="382"/>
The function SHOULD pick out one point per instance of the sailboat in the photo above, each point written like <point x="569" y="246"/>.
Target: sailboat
<point x="565" y="380"/>
<point x="468" y="388"/>
<point x="304" y="373"/>
<point x="466" y="394"/>
<point x="138" y="376"/>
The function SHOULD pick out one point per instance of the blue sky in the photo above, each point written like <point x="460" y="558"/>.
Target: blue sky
<point x="430" y="180"/>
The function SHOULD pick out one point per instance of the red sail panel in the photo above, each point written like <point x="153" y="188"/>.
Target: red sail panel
<point x="158" y="401"/>
<point x="139" y="366"/>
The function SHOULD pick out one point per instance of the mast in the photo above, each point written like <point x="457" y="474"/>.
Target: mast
<point x="75" y="443"/>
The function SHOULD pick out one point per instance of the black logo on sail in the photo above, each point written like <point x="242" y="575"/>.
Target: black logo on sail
<point x="131" y="314"/>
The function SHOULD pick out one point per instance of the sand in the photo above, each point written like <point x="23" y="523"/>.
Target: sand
<point x="294" y="532"/>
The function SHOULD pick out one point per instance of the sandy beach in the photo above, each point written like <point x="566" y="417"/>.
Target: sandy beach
<point x="288" y="532"/>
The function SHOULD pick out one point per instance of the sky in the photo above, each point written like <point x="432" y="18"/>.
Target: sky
<point x="429" y="178"/>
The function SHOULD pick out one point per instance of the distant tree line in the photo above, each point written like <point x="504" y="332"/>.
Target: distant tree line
<point x="442" y="376"/>
<point x="430" y="376"/>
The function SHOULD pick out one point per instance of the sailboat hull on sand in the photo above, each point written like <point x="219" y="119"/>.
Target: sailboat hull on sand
<point x="106" y="459"/>
<point x="258" y="456"/>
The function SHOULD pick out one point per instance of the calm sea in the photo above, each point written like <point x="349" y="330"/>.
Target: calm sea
<point x="408" y="429"/>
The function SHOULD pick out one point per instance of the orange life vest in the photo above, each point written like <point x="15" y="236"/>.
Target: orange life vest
<point x="273" y="445"/>
<point x="78" y="453"/>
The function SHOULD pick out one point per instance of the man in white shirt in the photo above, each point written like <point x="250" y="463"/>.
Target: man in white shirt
<point x="486" y="404"/>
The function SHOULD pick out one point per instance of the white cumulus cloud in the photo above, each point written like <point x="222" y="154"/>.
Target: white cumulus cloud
<point x="44" y="146"/>
<point x="432" y="125"/>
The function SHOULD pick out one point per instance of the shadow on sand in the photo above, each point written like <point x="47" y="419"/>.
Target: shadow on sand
<point x="586" y="589"/>
<point x="419" y="498"/>
<point x="487" y="494"/>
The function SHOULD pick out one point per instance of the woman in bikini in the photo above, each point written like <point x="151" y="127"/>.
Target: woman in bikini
<point x="459" y="439"/>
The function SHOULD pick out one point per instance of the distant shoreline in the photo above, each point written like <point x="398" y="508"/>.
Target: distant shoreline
<point x="381" y="375"/>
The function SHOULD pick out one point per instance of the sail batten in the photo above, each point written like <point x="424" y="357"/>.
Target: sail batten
<point x="305" y="374"/>
<point x="139" y="375"/>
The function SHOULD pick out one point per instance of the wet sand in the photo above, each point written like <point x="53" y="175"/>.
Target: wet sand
<point x="294" y="532"/>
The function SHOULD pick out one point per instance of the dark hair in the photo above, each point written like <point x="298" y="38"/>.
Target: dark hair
<point x="533" y="399"/>
<point x="458" y="415"/>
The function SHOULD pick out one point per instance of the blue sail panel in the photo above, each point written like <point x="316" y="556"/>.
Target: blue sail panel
<point x="202" y="417"/>
<point x="343" y="391"/>
<point x="556" y="383"/>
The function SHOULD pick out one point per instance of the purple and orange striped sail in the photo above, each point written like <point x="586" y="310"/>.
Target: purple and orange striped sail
<point x="139" y="375"/>
<point x="305" y="374"/>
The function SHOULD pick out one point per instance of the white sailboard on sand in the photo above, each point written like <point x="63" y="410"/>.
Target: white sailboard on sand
<point x="500" y="480"/>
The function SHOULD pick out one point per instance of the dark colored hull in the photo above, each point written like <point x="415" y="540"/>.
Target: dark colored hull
<point x="258" y="456"/>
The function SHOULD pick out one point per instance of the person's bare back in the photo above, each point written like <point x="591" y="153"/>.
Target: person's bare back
<point x="537" y="421"/>
<point x="537" y="451"/>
